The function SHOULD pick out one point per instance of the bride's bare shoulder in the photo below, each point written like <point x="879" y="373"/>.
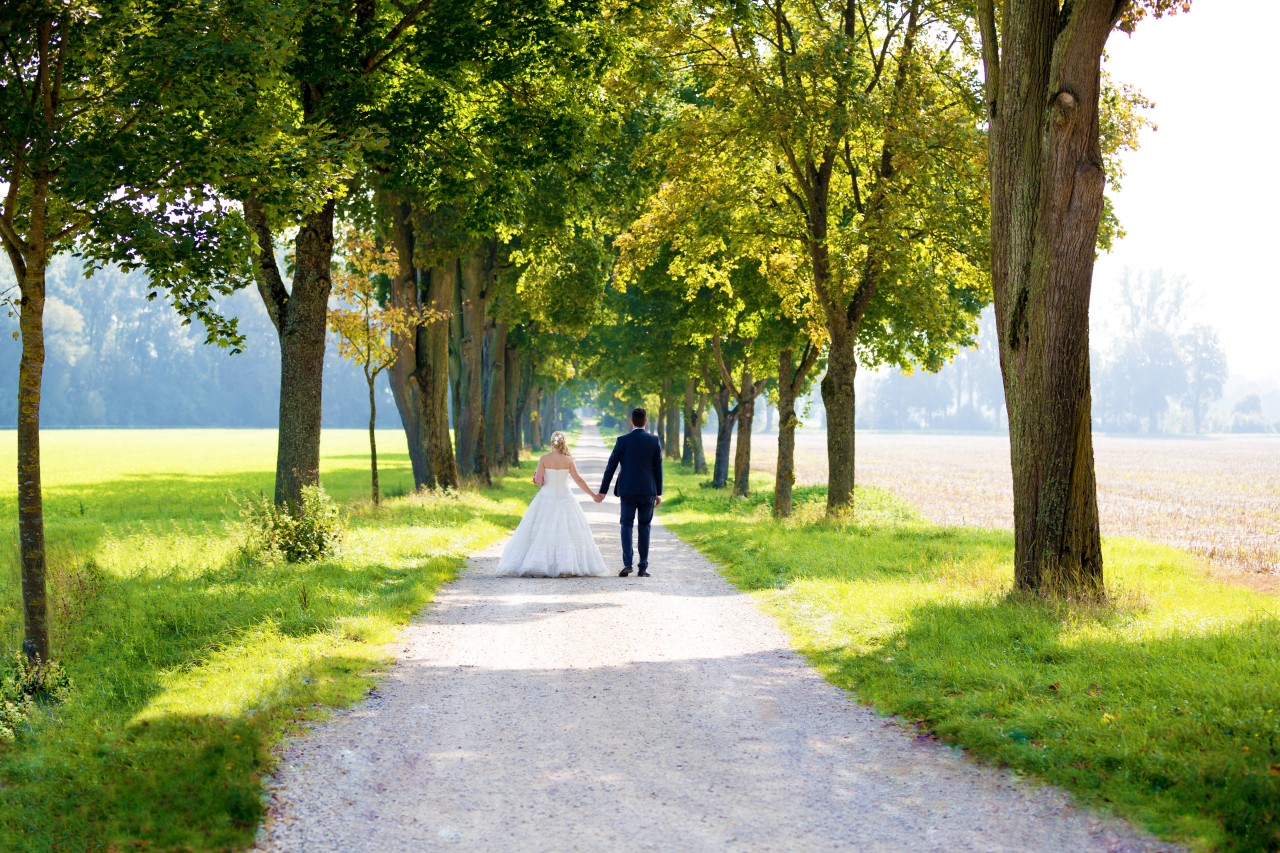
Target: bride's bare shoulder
<point x="555" y="460"/>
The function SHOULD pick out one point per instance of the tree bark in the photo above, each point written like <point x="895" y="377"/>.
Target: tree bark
<point x="1043" y="72"/>
<point x="839" y="402"/>
<point x="725" y="419"/>
<point x="534" y="406"/>
<point x="404" y="294"/>
<point x="746" y="415"/>
<point x="694" y="406"/>
<point x="672" y="437"/>
<point x="511" y="412"/>
<point x="495" y="415"/>
<point x="373" y="440"/>
<point x="468" y="416"/>
<point x="300" y="316"/>
<point x="431" y="375"/>
<point x="30" y="269"/>
<point x="791" y="379"/>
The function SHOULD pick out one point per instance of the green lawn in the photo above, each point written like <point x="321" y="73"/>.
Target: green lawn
<point x="189" y="661"/>
<point x="1163" y="706"/>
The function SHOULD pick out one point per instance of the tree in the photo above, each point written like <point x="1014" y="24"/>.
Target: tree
<point x="367" y="330"/>
<point x="844" y="141"/>
<point x="1043" y="81"/>
<point x="79" y="87"/>
<point x="320" y="116"/>
<point x="1206" y="371"/>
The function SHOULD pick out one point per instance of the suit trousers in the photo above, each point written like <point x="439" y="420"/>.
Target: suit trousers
<point x="633" y="510"/>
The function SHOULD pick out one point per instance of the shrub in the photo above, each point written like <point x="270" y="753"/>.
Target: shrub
<point x="312" y="533"/>
<point x="23" y="684"/>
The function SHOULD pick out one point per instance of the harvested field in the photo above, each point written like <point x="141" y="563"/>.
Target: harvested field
<point x="1218" y="497"/>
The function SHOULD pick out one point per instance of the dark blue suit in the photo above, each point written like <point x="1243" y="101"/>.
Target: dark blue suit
<point x="637" y="457"/>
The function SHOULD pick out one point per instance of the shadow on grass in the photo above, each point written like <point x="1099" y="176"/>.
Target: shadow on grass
<point x="1164" y="704"/>
<point x="183" y="676"/>
<point x="1180" y="732"/>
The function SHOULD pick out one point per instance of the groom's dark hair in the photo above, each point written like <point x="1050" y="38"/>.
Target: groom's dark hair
<point x="638" y="417"/>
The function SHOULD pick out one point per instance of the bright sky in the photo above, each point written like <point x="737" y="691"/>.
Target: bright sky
<point x="1201" y="197"/>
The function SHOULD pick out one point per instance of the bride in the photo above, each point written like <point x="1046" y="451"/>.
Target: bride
<point x="554" y="537"/>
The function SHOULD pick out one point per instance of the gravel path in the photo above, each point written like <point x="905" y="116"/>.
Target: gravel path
<point x="615" y="714"/>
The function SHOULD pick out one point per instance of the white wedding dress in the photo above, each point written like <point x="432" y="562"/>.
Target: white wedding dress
<point x="554" y="538"/>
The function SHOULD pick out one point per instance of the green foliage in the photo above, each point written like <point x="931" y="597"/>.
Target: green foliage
<point x="23" y="684"/>
<point x="190" y="662"/>
<point x="1161" y="704"/>
<point x="311" y="531"/>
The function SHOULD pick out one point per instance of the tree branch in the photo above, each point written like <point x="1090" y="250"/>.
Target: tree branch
<point x="724" y="369"/>
<point x="374" y="60"/>
<point x="270" y="284"/>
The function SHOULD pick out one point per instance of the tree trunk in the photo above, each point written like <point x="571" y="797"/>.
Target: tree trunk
<point x="373" y="441"/>
<point x="699" y="452"/>
<point x="725" y="419"/>
<point x="784" y="478"/>
<point x="746" y="415"/>
<point x="1043" y="76"/>
<point x="404" y="294"/>
<point x="791" y="379"/>
<point x="302" y="323"/>
<point x="838" y="400"/>
<point x="511" y="412"/>
<point x="692" y="423"/>
<point x="431" y="374"/>
<point x="495" y="415"/>
<point x="672" y="437"/>
<point x="469" y="412"/>
<point x="768" y="417"/>
<point x="534" y="405"/>
<point x="30" y="269"/>
<point x="664" y="403"/>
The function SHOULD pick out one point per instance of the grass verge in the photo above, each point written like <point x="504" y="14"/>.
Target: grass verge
<point x="189" y="661"/>
<point x="1163" y="705"/>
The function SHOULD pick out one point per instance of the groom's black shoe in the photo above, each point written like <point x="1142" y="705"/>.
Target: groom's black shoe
<point x="625" y="572"/>
<point x="643" y="573"/>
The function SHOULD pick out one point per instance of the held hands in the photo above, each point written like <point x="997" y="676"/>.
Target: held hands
<point x="598" y="497"/>
<point x="657" y="502"/>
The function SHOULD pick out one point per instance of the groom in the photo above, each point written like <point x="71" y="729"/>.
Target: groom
<point x="639" y="487"/>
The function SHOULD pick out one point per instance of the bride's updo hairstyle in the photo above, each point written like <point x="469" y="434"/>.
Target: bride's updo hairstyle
<point x="560" y="443"/>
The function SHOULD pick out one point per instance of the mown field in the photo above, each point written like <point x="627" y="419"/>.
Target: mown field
<point x="1162" y="704"/>
<point x="190" y="659"/>
<point x="1218" y="497"/>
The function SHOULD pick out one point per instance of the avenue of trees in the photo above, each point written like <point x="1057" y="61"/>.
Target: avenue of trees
<point x="692" y="204"/>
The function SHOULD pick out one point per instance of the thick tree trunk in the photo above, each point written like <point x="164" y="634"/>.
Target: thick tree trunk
<point x="373" y="439"/>
<point x="692" y="423"/>
<point x="511" y="412"/>
<point x="1043" y="74"/>
<point x="725" y="420"/>
<point x="838" y="400"/>
<point x="699" y="452"/>
<point x="791" y="380"/>
<point x="303" y="323"/>
<point x="495" y="415"/>
<point x="746" y="415"/>
<point x="30" y="268"/>
<point x="534" y="404"/>
<point x="431" y="374"/>
<point x="404" y="294"/>
<point x="784" y="479"/>
<point x="469" y="414"/>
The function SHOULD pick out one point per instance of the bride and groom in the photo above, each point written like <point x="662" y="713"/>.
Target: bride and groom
<point x="554" y="537"/>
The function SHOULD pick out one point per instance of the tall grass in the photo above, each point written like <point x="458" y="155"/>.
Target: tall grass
<point x="1163" y="705"/>
<point x="189" y="659"/>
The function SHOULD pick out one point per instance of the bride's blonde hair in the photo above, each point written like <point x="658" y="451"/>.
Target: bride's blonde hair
<point x="560" y="443"/>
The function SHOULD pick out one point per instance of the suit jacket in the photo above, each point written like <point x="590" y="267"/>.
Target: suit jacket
<point x="639" y="454"/>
